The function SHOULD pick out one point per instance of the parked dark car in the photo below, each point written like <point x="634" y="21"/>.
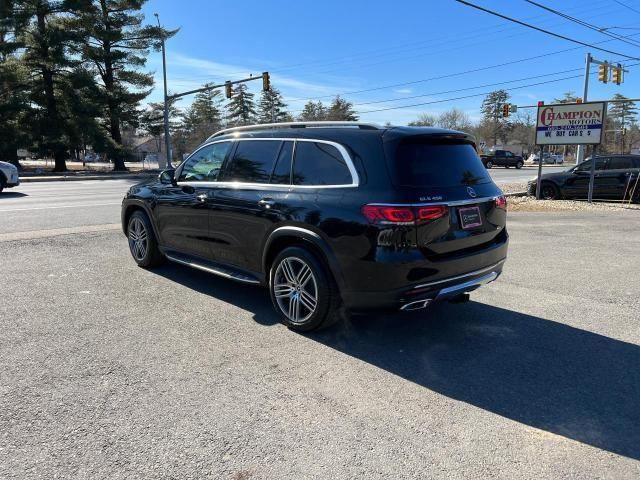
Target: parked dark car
<point x="503" y="158"/>
<point x="331" y="217"/>
<point x="615" y="179"/>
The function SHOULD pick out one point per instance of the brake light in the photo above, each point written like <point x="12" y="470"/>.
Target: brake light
<point x="388" y="214"/>
<point x="501" y="202"/>
<point x="402" y="214"/>
<point x="431" y="212"/>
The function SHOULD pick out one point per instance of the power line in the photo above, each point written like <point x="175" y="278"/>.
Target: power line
<point x="548" y="32"/>
<point x="450" y="75"/>
<point x="584" y="24"/>
<point x="572" y="77"/>
<point x="627" y="6"/>
<point x="506" y="82"/>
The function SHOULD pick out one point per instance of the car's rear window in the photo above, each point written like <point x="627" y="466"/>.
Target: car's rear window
<point x="422" y="162"/>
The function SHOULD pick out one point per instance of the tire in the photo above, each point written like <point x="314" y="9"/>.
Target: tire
<point x="507" y="166"/>
<point x="294" y="300"/>
<point x="548" y="191"/>
<point x="142" y="241"/>
<point x="488" y="165"/>
<point x="519" y="164"/>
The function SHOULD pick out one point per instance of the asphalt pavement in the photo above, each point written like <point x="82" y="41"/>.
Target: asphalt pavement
<point x="108" y="370"/>
<point x="502" y="175"/>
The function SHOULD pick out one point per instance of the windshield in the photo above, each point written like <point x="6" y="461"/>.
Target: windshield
<point x="421" y="162"/>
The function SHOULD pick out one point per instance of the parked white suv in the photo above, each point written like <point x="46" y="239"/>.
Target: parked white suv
<point x="8" y="176"/>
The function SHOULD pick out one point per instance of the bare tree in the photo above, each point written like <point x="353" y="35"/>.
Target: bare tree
<point x="454" y="119"/>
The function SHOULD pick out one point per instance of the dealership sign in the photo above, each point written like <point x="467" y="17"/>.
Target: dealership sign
<point x="570" y="123"/>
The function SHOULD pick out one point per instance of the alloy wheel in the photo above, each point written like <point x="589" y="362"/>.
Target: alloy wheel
<point x="295" y="289"/>
<point x="138" y="239"/>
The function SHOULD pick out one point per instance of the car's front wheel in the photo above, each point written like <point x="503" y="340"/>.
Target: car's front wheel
<point x="142" y="241"/>
<point x="302" y="290"/>
<point x="489" y="164"/>
<point x="548" y="191"/>
<point x="519" y="164"/>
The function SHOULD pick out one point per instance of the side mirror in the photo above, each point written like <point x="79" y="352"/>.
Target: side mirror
<point x="167" y="177"/>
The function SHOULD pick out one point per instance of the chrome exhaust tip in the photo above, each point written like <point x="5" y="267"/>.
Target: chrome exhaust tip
<point x="417" y="305"/>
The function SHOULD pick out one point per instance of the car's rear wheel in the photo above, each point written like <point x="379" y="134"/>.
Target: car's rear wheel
<point x="489" y="164"/>
<point x="142" y="241"/>
<point x="519" y="164"/>
<point x="548" y="191"/>
<point x="302" y="290"/>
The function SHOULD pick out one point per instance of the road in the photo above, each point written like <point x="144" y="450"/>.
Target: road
<point x="503" y="175"/>
<point x="58" y="205"/>
<point x="108" y="370"/>
<point x="50" y="205"/>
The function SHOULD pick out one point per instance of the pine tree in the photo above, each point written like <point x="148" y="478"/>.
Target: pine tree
<point x="622" y="115"/>
<point x="116" y="44"/>
<point x="242" y="108"/>
<point x="272" y="108"/>
<point x="207" y="110"/>
<point x="341" y="110"/>
<point x="46" y="39"/>
<point x="15" y="109"/>
<point x="493" y="124"/>
<point x="313" y="111"/>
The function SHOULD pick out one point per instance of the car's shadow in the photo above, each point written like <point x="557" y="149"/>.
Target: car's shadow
<point x="13" y="194"/>
<point x="539" y="372"/>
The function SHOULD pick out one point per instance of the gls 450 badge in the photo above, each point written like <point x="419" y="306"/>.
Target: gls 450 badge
<point x="436" y="198"/>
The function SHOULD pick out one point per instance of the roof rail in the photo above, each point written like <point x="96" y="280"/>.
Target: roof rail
<point x="267" y="126"/>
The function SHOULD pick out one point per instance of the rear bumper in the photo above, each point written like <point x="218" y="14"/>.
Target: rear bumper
<point x="465" y="274"/>
<point x="418" y="296"/>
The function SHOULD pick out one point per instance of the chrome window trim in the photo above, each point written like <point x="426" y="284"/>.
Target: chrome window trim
<point x="355" y="179"/>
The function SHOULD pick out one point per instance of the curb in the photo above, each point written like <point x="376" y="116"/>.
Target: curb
<point x="75" y="178"/>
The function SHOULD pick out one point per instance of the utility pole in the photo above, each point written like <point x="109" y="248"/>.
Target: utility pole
<point x="587" y="73"/>
<point x="167" y="137"/>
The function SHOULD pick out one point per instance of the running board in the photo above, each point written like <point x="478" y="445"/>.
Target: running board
<point x="214" y="269"/>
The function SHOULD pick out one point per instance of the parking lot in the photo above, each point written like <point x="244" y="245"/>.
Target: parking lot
<point x="109" y="370"/>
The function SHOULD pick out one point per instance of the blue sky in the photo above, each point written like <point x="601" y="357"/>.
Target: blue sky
<point x="364" y="50"/>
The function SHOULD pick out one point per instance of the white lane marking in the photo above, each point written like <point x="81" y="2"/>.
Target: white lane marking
<point x="54" y="232"/>
<point x="61" y="206"/>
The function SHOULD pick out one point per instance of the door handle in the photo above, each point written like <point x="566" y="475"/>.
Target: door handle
<point x="202" y="197"/>
<point x="266" y="203"/>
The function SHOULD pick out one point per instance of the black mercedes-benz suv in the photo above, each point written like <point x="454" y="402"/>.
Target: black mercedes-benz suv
<point x="331" y="217"/>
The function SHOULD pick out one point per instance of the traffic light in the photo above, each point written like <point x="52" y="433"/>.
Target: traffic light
<point x="227" y="89"/>
<point x="616" y="74"/>
<point x="266" y="84"/>
<point x="505" y="110"/>
<point x="603" y="72"/>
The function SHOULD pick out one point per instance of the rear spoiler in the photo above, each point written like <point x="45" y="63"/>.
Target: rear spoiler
<point x="429" y="134"/>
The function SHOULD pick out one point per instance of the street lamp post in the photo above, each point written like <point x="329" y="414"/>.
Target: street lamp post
<point x="167" y="137"/>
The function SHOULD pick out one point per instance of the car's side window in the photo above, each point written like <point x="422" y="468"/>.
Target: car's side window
<point x="620" y="163"/>
<point x="282" y="170"/>
<point x="317" y="163"/>
<point x="508" y="154"/>
<point x="205" y="164"/>
<point x="252" y="161"/>
<point x="586" y="166"/>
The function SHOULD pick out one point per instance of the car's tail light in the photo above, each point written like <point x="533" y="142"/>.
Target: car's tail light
<point x="431" y="212"/>
<point x="501" y="202"/>
<point x="402" y="214"/>
<point x="388" y="214"/>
